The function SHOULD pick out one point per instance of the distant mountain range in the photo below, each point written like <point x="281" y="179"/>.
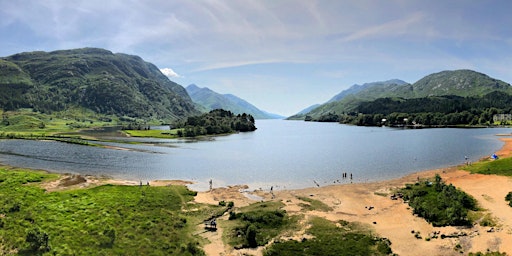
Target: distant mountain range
<point x="210" y="100"/>
<point x="463" y="83"/>
<point x="96" y="79"/>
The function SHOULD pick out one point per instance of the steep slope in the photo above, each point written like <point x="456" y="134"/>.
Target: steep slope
<point x="348" y="100"/>
<point x="356" y="88"/>
<point x="97" y="79"/>
<point x="463" y="83"/>
<point x="212" y="100"/>
<point x="460" y="83"/>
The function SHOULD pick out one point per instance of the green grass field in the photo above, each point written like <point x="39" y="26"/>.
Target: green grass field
<point x="502" y="166"/>
<point x="104" y="220"/>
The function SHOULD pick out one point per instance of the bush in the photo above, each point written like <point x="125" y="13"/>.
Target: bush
<point x="438" y="203"/>
<point x="38" y="240"/>
<point x="509" y="198"/>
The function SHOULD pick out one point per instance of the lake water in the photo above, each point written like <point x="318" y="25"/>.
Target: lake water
<point x="282" y="154"/>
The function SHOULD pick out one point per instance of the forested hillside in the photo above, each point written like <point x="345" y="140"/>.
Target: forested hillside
<point x="90" y="78"/>
<point x="461" y="97"/>
<point x="431" y="111"/>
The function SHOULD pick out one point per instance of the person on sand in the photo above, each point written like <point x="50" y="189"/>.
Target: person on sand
<point x="211" y="184"/>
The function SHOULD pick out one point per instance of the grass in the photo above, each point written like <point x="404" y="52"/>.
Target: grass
<point x="164" y="134"/>
<point x="104" y="220"/>
<point x="342" y="238"/>
<point x="26" y="123"/>
<point x="257" y="224"/>
<point x="313" y="204"/>
<point x="502" y="166"/>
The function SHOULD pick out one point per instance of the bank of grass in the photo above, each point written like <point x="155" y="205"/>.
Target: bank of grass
<point x="104" y="220"/>
<point x="163" y="134"/>
<point x="25" y="122"/>
<point x="313" y="204"/>
<point x="329" y="238"/>
<point x="502" y="166"/>
<point x="257" y="224"/>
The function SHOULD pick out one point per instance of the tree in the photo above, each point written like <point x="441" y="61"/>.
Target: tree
<point x="250" y="236"/>
<point x="38" y="240"/>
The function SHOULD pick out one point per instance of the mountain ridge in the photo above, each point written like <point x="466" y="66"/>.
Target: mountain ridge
<point x="463" y="83"/>
<point x="211" y="100"/>
<point x="93" y="78"/>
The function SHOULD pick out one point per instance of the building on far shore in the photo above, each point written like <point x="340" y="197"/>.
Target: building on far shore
<point x="502" y="118"/>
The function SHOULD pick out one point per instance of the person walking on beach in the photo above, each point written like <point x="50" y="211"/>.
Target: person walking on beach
<point x="211" y="182"/>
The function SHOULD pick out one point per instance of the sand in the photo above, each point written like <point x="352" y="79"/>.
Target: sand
<point x="392" y="219"/>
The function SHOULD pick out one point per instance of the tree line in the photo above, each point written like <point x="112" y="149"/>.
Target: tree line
<point x="217" y="121"/>
<point x="427" y="111"/>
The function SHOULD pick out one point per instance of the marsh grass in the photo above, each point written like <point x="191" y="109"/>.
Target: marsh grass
<point x="165" y="134"/>
<point x="104" y="220"/>
<point x="257" y="224"/>
<point x="314" y="205"/>
<point x="329" y="238"/>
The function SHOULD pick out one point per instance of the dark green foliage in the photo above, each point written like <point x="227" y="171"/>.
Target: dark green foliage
<point x="438" y="203"/>
<point x="257" y="224"/>
<point x="508" y="198"/>
<point x="250" y="236"/>
<point x="430" y="111"/>
<point x="488" y="254"/>
<point x="437" y="94"/>
<point x="332" y="240"/>
<point x="105" y="220"/>
<point x="217" y="121"/>
<point x="97" y="79"/>
<point x="37" y="240"/>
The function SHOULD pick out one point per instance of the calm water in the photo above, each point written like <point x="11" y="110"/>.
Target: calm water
<point x="283" y="154"/>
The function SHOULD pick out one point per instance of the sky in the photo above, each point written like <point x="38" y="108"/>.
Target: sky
<point x="280" y="55"/>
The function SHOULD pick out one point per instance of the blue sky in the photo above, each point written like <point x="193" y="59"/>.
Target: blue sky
<point x="279" y="55"/>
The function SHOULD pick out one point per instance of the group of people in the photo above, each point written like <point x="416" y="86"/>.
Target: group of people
<point x="345" y="175"/>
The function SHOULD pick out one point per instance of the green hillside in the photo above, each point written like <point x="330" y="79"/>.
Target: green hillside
<point x="461" y="83"/>
<point x="211" y="100"/>
<point x="90" y="78"/>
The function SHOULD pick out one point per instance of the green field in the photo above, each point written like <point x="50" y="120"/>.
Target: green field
<point x="104" y="220"/>
<point x="502" y="166"/>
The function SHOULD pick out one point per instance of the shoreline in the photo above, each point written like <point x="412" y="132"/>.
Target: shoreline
<point x="391" y="219"/>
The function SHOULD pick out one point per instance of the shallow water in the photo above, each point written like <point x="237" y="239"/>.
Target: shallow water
<point x="282" y="154"/>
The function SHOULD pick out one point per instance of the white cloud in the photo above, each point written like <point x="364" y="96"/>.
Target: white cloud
<point x="169" y="72"/>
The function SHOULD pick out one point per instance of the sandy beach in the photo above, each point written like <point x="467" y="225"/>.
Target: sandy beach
<point x="392" y="219"/>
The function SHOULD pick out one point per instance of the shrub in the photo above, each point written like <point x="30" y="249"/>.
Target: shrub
<point x="38" y="240"/>
<point x="438" y="203"/>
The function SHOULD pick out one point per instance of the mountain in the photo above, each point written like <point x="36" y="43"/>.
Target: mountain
<point x="356" y="88"/>
<point x="463" y="83"/>
<point x="97" y="79"/>
<point x="212" y="100"/>
<point x="302" y="114"/>
<point x="348" y="99"/>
